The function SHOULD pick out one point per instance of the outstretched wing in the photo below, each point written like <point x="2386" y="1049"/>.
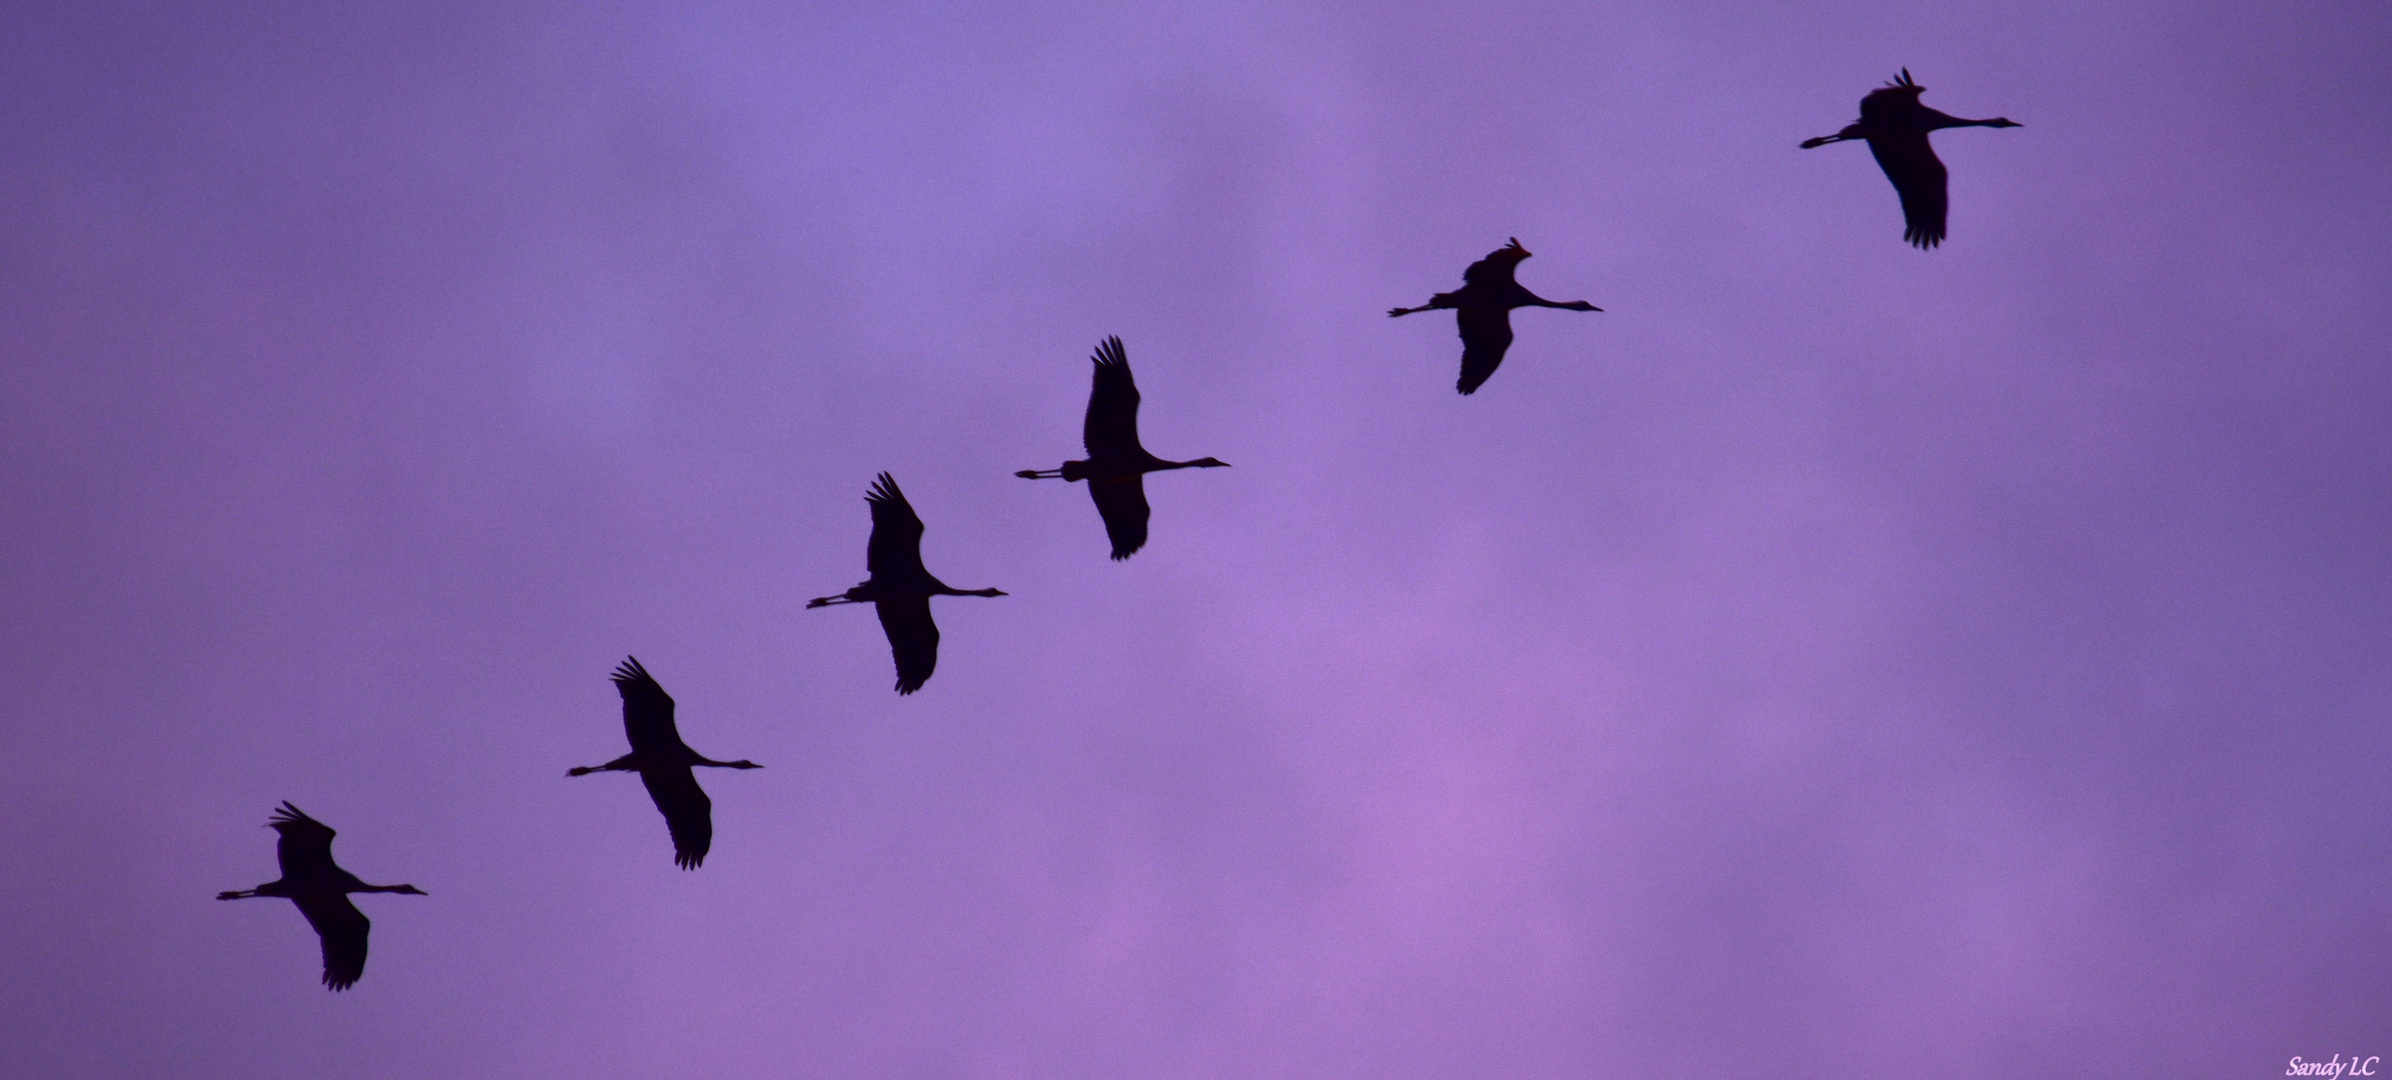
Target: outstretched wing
<point x="1886" y="105"/>
<point x="647" y="709"/>
<point x="896" y="546"/>
<point x="1485" y="336"/>
<point x="1921" y="180"/>
<point x="1122" y="503"/>
<point x="1111" y="429"/>
<point x="913" y="639"/>
<point x="688" y="813"/>
<point x="342" y="928"/>
<point x="305" y="849"/>
<point x="1498" y="267"/>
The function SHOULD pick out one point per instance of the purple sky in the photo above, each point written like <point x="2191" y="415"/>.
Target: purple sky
<point x="1833" y="660"/>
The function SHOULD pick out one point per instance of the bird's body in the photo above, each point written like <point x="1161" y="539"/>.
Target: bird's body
<point x="1896" y="125"/>
<point x="1483" y="311"/>
<point x="320" y="888"/>
<point x="664" y="762"/>
<point x="900" y="587"/>
<point x="1117" y="465"/>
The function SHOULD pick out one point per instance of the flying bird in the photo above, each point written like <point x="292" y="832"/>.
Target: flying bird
<point x="311" y="880"/>
<point x="663" y="762"/>
<point x="1117" y="466"/>
<point x="1896" y="126"/>
<point x="899" y="587"/>
<point x="1483" y="306"/>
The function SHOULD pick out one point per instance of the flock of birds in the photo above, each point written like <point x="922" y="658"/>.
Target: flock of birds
<point x="1892" y="121"/>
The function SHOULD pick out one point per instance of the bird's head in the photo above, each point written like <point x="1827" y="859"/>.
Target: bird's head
<point x="408" y="889"/>
<point x="1209" y="463"/>
<point x="744" y="763"/>
<point x="2003" y="121"/>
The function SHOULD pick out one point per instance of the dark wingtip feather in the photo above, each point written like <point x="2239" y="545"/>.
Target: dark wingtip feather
<point x="1110" y="352"/>
<point x="688" y="861"/>
<point x="630" y="671"/>
<point x="884" y="489"/>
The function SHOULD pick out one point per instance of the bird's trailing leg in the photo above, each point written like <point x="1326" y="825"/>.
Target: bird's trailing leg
<point x="861" y="594"/>
<point x="241" y="894"/>
<point x="621" y="764"/>
<point x="1441" y="300"/>
<point x="1850" y="132"/>
<point x="1035" y="474"/>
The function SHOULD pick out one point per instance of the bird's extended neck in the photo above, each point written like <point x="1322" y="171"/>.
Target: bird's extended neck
<point x="1566" y="305"/>
<point x="1199" y="463"/>
<point x="1941" y="121"/>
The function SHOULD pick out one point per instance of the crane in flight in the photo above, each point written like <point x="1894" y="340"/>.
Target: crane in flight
<point x="1117" y="465"/>
<point x="1896" y="125"/>
<point x="663" y="762"/>
<point x="1483" y="308"/>
<point x="899" y="587"/>
<point x="321" y="889"/>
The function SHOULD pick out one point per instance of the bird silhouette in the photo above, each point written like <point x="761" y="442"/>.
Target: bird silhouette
<point x="1896" y="126"/>
<point x="899" y="587"/>
<point x="311" y="880"/>
<point x="1483" y="307"/>
<point x="663" y="762"/>
<point x="1117" y="466"/>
